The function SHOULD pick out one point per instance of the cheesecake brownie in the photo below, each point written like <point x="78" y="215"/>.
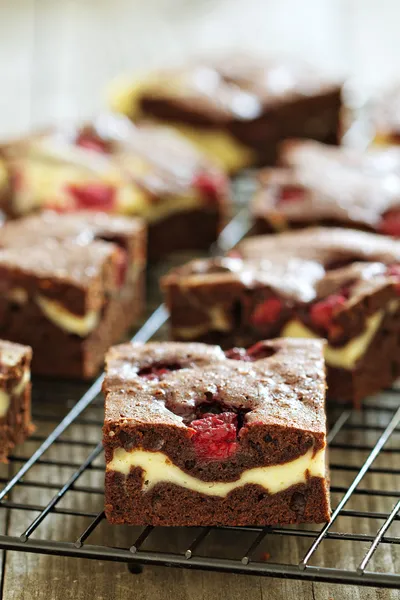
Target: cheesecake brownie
<point x="339" y="284"/>
<point x="195" y="436"/>
<point x="15" y="396"/>
<point x="115" y="167"/>
<point x="385" y="117"/>
<point x="235" y="108"/>
<point x="70" y="286"/>
<point x="320" y="184"/>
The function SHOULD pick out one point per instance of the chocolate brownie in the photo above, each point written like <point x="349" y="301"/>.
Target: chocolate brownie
<point x="195" y="436"/>
<point x="235" y="108"/>
<point x="70" y="286"/>
<point x="385" y="117"/>
<point x="320" y="184"/>
<point x="15" y="396"/>
<point x="115" y="167"/>
<point x="339" y="284"/>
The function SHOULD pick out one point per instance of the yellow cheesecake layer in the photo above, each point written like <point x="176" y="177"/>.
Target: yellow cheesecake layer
<point x="66" y="320"/>
<point x="5" y="397"/>
<point x="45" y="184"/>
<point x="347" y="356"/>
<point x="124" y="97"/>
<point x="344" y="357"/>
<point x="219" y="146"/>
<point x="158" y="468"/>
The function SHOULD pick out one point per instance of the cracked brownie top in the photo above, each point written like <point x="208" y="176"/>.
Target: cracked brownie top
<point x="316" y="182"/>
<point x="276" y="382"/>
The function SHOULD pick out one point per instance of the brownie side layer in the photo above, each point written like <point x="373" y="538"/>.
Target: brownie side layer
<point x="378" y="369"/>
<point x="262" y="225"/>
<point x="260" y="446"/>
<point x="171" y="505"/>
<point x="168" y="404"/>
<point x="75" y="275"/>
<point x="62" y="354"/>
<point x="15" y="424"/>
<point x="194" y="230"/>
<point x="314" y="117"/>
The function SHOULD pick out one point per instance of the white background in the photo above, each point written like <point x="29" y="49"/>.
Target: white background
<point x="56" y="56"/>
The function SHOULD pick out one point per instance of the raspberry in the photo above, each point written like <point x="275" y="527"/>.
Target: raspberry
<point x="93" y="196"/>
<point x="215" y="435"/>
<point x="158" y="371"/>
<point x="266" y="313"/>
<point x="256" y="352"/>
<point x="260" y="350"/>
<point x="122" y="266"/>
<point x="211" y="185"/>
<point x="290" y="193"/>
<point x="390" y="224"/>
<point x="238" y="354"/>
<point x="91" y="141"/>
<point x="322" y="312"/>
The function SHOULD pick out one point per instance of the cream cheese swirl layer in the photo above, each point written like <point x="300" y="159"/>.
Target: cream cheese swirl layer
<point x="158" y="468"/>
<point x="5" y="397"/>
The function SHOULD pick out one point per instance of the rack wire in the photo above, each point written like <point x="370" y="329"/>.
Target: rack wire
<point x="58" y="474"/>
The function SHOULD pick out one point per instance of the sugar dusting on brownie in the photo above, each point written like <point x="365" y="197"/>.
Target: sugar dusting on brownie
<point x="317" y="183"/>
<point x="228" y="437"/>
<point x="339" y="284"/>
<point x="75" y="278"/>
<point x="258" y="383"/>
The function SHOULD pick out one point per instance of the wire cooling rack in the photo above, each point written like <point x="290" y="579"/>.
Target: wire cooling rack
<point x="52" y="495"/>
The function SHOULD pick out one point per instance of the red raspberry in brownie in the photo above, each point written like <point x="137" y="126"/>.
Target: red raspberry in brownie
<point x="93" y="196"/>
<point x="67" y="264"/>
<point x="390" y="224"/>
<point x="256" y="435"/>
<point x="290" y="193"/>
<point x="215" y="435"/>
<point x="211" y="185"/>
<point x="267" y="312"/>
<point x="158" y="371"/>
<point x="90" y="141"/>
<point x="237" y="354"/>
<point x="323" y="311"/>
<point x="255" y="352"/>
<point x="337" y="283"/>
<point x="111" y="165"/>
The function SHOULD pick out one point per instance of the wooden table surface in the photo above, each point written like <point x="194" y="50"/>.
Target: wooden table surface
<point x="56" y="57"/>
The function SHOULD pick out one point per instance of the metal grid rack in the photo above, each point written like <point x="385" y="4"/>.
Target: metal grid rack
<point x="364" y="529"/>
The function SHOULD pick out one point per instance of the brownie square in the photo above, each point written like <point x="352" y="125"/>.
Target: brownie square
<point x="195" y="436"/>
<point x="70" y="286"/>
<point x="15" y="396"/>
<point x="235" y="108"/>
<point x="339" y="284"/>
<point x="318" y="184"/>
<point x="112" y="166"/>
